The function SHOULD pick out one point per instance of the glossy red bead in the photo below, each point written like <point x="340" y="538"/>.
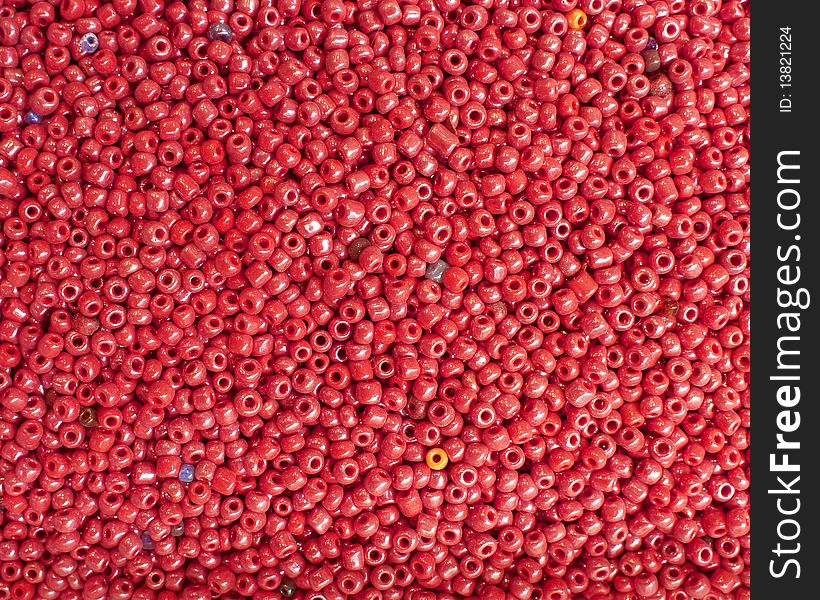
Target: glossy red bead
<point x="260" y="263"/>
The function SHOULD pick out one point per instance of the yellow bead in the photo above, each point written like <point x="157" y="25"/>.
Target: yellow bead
<point x="577" y="19"/>
<point x="437" y="459"/>
<point x="88" y="417"/>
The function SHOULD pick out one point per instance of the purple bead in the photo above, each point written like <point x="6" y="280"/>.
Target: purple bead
<point x="186" y="473"/>
<point x="89" y="43"/>
<point x="220" y="31"/>
<point x="147" y="542"/>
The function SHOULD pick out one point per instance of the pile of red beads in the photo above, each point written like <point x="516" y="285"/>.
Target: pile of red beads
<point x="382" y="299"/>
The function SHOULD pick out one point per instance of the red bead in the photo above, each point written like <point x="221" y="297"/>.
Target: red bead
<point x="258" y="261"/>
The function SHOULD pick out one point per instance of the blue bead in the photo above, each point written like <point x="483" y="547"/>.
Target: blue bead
<point x="220" y="31"/>
<point x="186" y="473"/>
<point x="177" y="530"/>
<point x="147" y="542"/>
<point x="89" y="43"/>
<point x="32" y="118"/>
<point x="651" y="44"/>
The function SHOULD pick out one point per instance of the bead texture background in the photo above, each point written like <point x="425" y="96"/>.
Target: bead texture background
<point x="374" y="299"/>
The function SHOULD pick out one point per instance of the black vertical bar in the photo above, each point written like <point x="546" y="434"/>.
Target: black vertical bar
<point x="784" y="132"/>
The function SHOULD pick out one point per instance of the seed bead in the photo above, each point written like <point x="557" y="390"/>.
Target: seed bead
<point x="437" y="459"/>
